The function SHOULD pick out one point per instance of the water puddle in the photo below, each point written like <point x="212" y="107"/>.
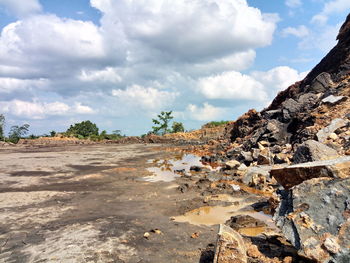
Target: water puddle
<point x="168" y="170"/>
<point x="212" y="215"/>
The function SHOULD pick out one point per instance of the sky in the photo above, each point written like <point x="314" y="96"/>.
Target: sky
<point x="119" y="63"/>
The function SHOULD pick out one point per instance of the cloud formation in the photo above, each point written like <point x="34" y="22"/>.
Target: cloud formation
<point x="21" y="8"/>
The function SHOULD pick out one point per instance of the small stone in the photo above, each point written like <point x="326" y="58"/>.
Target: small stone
<point x="331" y="245"/>
<point x="232" y="164"/>
<point x="333" y="136"/>
<point x="146" y="235"/>
<point x="195" y="235"/>
<point x="253" y="251"/>
<point x="235" y="187"/>
<point x="288" y="260"/>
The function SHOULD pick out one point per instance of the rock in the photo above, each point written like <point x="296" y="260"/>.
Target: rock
<point x="246" y="157"/>
<point x="255" y="172"/>
<point x="333" y="99"/>
<point x="264" y="157"/>
<point x="312" y="150"/>
<point x="296" y="174"/>
<point x="232" y="164"/>
<point x="196" y="168"/>
<point x="324" y="133"/>
<point x="241" y="221"/>
<point x="333" y="136"/>
<point x="230" y="246"/>
<point x="321" y="83"/>
<point x="314" y="216"/>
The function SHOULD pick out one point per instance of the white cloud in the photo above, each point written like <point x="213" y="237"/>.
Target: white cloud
<point x="40" y="110"/>
<point x="49" y="44"/>
<point x="231" y="85"/>
<point x="146" y="98"/>
<point x="300" y="31"/>
<point x="205" y="113"/>
<point x="108" y="74"/>
<point x="187" y="30"/>
<point x="21" y="8"/>
<point x="330" y="8"/>
<point x="322" y="39"/>
<point x="79" y="108"/>
<point x="293" y="3"/>
<point x="10" y="85"/>
<point x="278" y="78"/>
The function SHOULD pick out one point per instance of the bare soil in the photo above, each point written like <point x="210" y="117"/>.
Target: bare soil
<point x="89" y="203"/>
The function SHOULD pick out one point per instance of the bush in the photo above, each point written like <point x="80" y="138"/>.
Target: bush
<point x="83" y="129"/>
<point x="17" y="132"/>
<point x="177" y="127"/>
<point x="213" y="124"/>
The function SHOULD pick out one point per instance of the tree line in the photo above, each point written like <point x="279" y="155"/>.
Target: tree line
<point x="88" y="130"/>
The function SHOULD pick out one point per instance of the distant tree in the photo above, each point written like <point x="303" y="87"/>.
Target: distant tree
<point x="162" y="123"/>
<point x="2" y="126"/>
<point x="177" y="127"/>
<point x="53" y="133"/>
<point x="17" y="132"/>
<point x="83" y="129"/>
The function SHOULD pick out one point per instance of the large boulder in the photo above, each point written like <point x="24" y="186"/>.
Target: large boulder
<point x="312" y="150"/>
<point x="230" y="246"/>
<point x="315" y="217"/>
<point x="289" y="176"/>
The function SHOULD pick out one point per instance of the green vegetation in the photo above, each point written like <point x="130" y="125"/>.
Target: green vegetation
<point x="83" y="130"/>
<point x="52" y="133"/>
<point x="2" y="127"/>
<point x="162" y="123"/>
<point x="177" y="127"/>
<point x="17" y="132"/>
<point x="213" y="124"/>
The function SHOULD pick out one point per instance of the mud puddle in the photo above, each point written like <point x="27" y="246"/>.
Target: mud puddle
<point x="168" y="170"/>
<point x="213" y="215"/>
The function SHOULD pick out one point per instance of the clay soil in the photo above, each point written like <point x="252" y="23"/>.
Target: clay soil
<point x="89" y="204"/>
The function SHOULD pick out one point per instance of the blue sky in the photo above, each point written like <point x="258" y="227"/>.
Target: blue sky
<point x="120" y="62"/>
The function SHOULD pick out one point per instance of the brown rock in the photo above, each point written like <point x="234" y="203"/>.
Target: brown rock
<point x="230" y="247"/>
<point x="295" y="174"/>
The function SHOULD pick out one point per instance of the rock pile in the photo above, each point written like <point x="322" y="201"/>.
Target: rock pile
<point x="298" y="149"/>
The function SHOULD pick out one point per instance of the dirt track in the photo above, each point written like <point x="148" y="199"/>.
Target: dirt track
<point x="88" y="204"/>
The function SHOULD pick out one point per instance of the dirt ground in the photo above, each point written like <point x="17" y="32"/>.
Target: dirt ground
<point x="90" y="204"/>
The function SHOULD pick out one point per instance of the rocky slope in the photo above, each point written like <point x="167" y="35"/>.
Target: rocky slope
<point x="298" y="149"/>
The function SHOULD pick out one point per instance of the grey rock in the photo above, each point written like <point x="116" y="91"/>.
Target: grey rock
<point x="323" y="134"/>
<point x="312" y="150"/>
<point x="321" y="83"/>
<point x="334" y="99"/>
<point x="246" y="157"/>
<point x="289" y="176"/>
<point x="260" y="171"/>
<point x="319" y="230"/>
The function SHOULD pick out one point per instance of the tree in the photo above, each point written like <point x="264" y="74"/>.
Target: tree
<point x="53" y="133"/>
<point x="83" y="129"/>
<point x="2" y="126"/>
<point x="162" y="123"/>
<point x="177" y="127"/>
<point x="17" y="132"/>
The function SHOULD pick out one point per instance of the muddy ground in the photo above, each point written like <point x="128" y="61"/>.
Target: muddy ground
<point x="90" y="204"/>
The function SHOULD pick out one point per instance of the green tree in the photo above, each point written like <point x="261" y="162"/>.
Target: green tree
<point x="177" y="127"/>
<point x="2" y="126"/>
<point x="83" y="129"/>
<point x="53" y="133"/>
<point x="162" y="123"/>
<point x="17" y="132"/>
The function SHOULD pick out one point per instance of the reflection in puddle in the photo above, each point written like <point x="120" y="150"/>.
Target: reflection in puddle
<point x="212" y="215"/>
<point x="168" y="170"/>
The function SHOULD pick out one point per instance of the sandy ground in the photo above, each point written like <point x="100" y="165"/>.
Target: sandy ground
<point x="88" y="204"/>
